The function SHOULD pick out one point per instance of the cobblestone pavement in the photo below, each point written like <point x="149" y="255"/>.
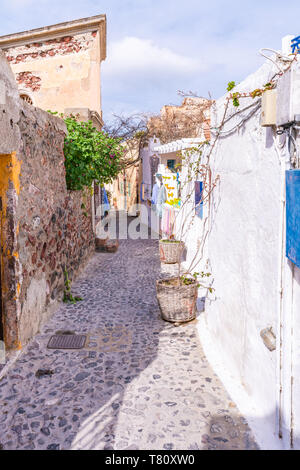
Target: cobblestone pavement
<point x="140" y="383"/>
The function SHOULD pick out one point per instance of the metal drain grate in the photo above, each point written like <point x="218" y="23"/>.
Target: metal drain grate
<point x="66" y="342"/>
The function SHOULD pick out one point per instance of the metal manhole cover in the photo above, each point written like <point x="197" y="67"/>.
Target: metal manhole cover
<point x="66" y="342"/>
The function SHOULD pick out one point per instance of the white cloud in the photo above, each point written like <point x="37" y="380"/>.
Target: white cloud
<point x="154" y="50"/>
<point x="134" y="55"/>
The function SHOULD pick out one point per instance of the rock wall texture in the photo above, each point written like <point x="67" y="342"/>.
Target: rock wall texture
<point x="45" y="229"/>
<point x="190" y="119"/>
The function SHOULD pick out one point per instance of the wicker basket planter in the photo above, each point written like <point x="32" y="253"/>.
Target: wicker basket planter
<point x="177" y="302"/>
<point x="170" y="251"/>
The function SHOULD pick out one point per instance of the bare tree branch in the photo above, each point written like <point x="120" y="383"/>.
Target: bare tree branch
<point x="133" y="133"/>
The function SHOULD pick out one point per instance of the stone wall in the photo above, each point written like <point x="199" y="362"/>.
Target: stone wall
<point x="45" y="229"/>
<point x="190" y="119"/>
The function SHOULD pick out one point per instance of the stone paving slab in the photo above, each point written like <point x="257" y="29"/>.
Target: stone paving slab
<point x="139" y="383"/>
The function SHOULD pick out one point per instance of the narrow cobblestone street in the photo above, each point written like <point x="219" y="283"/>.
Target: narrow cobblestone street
<point x="140" y="382"/>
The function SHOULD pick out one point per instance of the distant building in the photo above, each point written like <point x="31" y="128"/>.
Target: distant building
<point x="125" y="190"/>
<point x="189" y="122"/>
<point x="190" y="119"/>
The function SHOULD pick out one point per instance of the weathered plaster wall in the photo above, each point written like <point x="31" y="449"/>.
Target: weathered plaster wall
<point x="64" y="71"/>
<point x="43" y="226"/>
<point x="150" y="162"/>
<point x="10" y="139"/>
<point x="125" y="188"/>
<point x="244" y="252"/>
<point x="126" y="199"/>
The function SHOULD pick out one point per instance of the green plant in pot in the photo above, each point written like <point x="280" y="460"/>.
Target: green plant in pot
<point x="177" y="296"/>
<point x="170" y="250"/>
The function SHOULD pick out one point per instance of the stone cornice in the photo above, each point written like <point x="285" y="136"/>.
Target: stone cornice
<point x="83" y="25"/>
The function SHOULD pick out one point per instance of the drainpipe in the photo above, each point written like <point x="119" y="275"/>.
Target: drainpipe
<point x="285" y="283"/>
<point x="279" y="334"/>
<point x="280" y="286"/>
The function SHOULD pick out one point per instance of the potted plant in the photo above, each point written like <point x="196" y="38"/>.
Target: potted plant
<point x="170" y="250"/>
<point x="177" y="296"/>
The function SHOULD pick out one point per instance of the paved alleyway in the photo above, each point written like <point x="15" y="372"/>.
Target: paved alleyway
<point x="141" y="383"/>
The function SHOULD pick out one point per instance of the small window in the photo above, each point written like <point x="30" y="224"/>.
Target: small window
<point x="26" y="98"/>
<point x="171" y="164"/>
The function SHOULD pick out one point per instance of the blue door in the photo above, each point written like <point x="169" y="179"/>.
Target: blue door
<point x="293" y="216"/>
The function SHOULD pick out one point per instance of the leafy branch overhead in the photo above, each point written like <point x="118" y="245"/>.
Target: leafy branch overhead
<point x="90" y="155"/>
<point x="251" y="94"/>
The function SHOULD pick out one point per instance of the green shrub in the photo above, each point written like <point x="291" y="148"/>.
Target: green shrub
<point x="90" y="155"/>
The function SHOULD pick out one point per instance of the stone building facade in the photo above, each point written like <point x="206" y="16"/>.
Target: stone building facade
<point x="58" y="67"/>
<point x="45" y="229"/>
<point x="190" y="119"/>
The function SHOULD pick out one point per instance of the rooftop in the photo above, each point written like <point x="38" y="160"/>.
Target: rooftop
<point x="92" y="23"/>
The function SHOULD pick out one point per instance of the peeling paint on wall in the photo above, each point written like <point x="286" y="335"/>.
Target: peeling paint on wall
<point x="10" y="170"/>
<point x="33" y="82"/>
<point x="51" y="48"/>
<point x="62" y="72"/>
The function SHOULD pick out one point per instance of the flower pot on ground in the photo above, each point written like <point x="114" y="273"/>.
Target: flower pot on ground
<point x="105" y="245"/>
<point x="177" y="299"/>
<point x="170" y="251"/>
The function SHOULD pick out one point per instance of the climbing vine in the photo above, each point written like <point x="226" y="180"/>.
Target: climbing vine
<point x="235" y="96"/>
<point x="251" y="94"/>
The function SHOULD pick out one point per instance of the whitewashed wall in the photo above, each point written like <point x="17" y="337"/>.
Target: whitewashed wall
<point x="244" y="252"/>
<point x="147" y="215"/>
<point x="146" y="154"/>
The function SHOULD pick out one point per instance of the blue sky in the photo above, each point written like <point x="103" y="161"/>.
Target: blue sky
<point x="158" y="47"/>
